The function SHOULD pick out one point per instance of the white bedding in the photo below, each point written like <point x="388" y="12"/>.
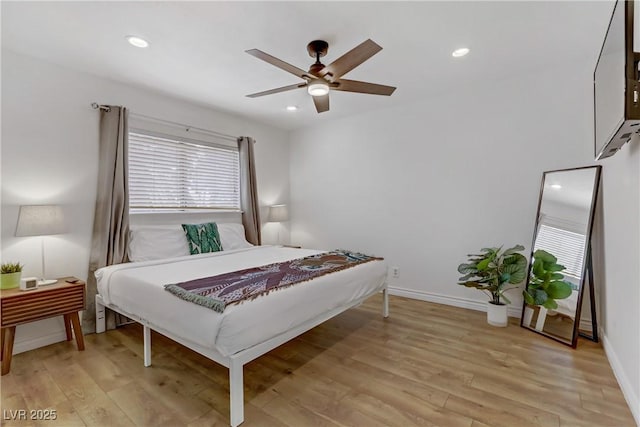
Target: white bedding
<point x="137" y="288"/>
<point x="567" y="306"/>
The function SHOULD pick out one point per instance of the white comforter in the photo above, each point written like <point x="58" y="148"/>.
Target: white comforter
<point x="567" y="306"/>
<point x="137" y="288"/>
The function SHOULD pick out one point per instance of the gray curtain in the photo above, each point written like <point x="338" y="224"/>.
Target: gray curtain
<point x="249" y="191"/>
<point x="111" y="218"/>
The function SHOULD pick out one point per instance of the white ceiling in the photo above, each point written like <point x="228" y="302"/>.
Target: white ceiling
<point x="197" y="48"/>
<point x="576" y="188"/>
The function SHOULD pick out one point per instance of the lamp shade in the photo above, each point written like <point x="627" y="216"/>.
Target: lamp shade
<point x="278" y="213"/>
<point x="40" y="220"/>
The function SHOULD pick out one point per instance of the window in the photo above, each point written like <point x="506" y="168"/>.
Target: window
<point x="567" y="246"/>
<point x="172" y="173"/>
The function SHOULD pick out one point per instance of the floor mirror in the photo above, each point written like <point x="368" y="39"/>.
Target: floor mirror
<point x="561" y="265"/>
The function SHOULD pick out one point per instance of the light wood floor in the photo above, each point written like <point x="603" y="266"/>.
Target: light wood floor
<point x="428" y="364"/>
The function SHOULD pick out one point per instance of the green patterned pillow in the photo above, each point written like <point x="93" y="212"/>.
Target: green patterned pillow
<point x="203" y="238"/>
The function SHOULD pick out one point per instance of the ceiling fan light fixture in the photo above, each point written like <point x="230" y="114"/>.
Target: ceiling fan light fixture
<point x="318" y="88"/>
<point x="321" y="79"/>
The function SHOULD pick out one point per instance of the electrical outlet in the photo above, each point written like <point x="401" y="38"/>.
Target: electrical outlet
<point x="395" y="272"/>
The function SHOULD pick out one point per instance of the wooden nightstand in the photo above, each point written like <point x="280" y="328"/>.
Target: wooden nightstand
<point x="60" y="299"/>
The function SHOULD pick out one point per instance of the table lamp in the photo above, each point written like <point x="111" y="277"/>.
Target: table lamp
<point x="278" y="213"/>
<point x="40" y="220"/>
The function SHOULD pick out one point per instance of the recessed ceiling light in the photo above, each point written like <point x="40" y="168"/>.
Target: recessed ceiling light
<point x="460" y="52"/>
<point x="556" y="186"/>
<point x="292" y="108"/>
<point x="137" y="41"/>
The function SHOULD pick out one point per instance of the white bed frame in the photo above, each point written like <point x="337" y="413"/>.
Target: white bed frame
<point x="235" y="362"/>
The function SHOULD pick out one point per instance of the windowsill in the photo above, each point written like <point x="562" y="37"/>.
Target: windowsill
<point x="182" y="211"/>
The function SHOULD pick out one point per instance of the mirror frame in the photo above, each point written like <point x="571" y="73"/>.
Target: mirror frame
<point x="587" y="266"/>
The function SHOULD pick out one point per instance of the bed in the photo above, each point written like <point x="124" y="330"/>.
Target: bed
<point x="566" y="307"/>
<point x="242" y="332"/>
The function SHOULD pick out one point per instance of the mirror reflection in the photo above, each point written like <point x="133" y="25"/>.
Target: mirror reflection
<point x="559" y="256"/>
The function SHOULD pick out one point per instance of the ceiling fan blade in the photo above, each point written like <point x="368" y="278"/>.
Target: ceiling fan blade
<point x="277" y="90"/>
<point x="363" y="87"/>
<point x="321" y="102"/>
<point x="351" y="59"/>
<point x="278" y="63"/>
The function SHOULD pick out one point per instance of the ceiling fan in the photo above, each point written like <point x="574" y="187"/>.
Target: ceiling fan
<point x="321" y="78"/>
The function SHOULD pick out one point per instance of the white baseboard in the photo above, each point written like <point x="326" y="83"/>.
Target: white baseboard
<point x="41" y="333"/>
<point x="586" y="325"/>
<point x="623" y="381"/>
<point x="30" y="336"/>
<point x="471" y="304"/>
<point x="37" y="342"/>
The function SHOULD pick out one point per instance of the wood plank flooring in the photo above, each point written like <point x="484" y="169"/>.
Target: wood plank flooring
<point x="426" y="365"/>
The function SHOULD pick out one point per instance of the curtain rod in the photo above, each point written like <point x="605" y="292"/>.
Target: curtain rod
<point x="97" y="106"/>
<point x="188" y="128"/>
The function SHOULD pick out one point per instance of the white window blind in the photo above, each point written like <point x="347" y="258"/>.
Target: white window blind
<point x="565" y="245"/>
<point x="170" y="173"/>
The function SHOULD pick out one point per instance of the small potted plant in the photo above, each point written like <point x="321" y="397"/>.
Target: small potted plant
<point x="546" y="284"/>
<point x="10" y="275"/>
<point x="492" y="271"/>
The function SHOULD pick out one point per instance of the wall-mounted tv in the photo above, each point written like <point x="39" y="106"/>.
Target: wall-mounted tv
<point x="615" y="82"/>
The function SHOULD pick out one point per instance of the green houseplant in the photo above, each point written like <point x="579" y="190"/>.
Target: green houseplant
<point x="10" y="275"/>
<point x="546" y="284"/>
<point x="493" y="271"/>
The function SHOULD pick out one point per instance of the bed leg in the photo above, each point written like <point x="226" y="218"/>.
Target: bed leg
<point x="100" y="316"/>
<point x="385" y="302"/>
<point x="542" y="317"/>
<point x="236" y="392"/>
<point x="147" y="346"/>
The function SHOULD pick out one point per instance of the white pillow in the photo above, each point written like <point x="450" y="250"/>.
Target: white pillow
<point x="151" y="242"/>
<point x="232" y="236"/>
<point x="148" y="243"/>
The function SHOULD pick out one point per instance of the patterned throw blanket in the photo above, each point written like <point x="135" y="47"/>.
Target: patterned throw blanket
<point x="217" y="292"/>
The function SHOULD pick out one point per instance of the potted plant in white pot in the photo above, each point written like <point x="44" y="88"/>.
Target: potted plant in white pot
<point x="10" y="275"/>
<point x="546" y="285"/>
<point x="493" y="271"/>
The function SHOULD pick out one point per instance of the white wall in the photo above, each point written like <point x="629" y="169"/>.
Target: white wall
<point x="49" y="155"/>
<point x="427" y="183"/>
<point x="620" y="295"/>
<point x="578" y="217"/>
